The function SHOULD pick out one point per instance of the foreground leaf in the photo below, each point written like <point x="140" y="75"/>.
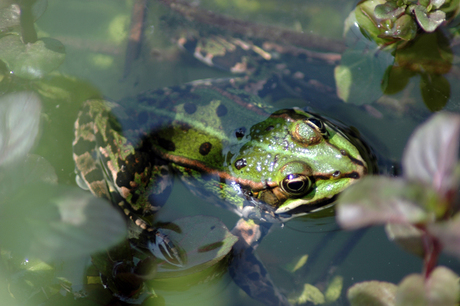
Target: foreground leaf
<point x="372" y="293"/>
<point x="19" y="125"/>
<point x="57" y="222"/>
<point x="379" y="200"/>
<point x="432" y="152"/>
<point x="440" y="289"/>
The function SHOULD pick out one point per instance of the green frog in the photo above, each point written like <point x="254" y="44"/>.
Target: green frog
<point x="226" y="144"/>
<point x="222" y="144"/>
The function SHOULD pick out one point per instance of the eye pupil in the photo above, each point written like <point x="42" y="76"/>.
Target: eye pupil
<point x="316" y="122"/>
<point x="319" y="125"/>
<point x="296" y="185"/>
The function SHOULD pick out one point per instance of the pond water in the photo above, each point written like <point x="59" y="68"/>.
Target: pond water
<point x="95" y="34"/>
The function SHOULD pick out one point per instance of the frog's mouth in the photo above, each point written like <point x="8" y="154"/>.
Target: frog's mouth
<point x="305" y="209"/>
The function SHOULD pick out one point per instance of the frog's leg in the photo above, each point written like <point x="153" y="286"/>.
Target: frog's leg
<point x="95" y="149"/>
<point x="246" y="269"/>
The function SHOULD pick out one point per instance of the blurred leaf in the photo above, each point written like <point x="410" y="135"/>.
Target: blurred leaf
<point x="9" y="17"/>
<point x="379" y="200"/>
<point x="205" y="240"/>
<point x="437" y="3"/>
<point x="448" y="233"/>
<point x="10" y="11"/>
<point x="35" y="168"/>
<point x="19" y="125"/>
<point x="397" y="79"/>
<point x="428" y="53"/>
<point x="363" y="65"/>
<point x="388" y="10"/>
<point x="31" y="61"/>
<point x="429" y="21"/>
<point x="440" y="289"/>
<point x="343" y="81"/>
<point x="451" y="7"/>
<point x="26" y="171"/>
<point x="57" y="222"/>
<point x="435" y="91"/>
<point x="372" y="293"/>
<point x="334" y="290"/>
<point x="407" y="237"/>
<point x="38" y="8"/>
<point x="432" y="151"/>
<point x="309" y="294"/>
<point x="297" y="263"/>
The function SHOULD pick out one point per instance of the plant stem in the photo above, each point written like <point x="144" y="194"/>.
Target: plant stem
<point x="29" y="35"/>
<point x="432" y="249"/>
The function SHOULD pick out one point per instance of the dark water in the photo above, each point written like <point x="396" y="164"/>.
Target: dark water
<point x="95" y="34"/>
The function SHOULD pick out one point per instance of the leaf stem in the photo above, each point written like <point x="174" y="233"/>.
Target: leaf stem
<point x="432" y="249"/>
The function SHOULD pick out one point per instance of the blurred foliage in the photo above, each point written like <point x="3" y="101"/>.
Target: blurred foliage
<point x="421" y="212"/>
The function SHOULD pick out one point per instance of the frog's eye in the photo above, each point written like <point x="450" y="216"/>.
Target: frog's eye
<point x="296" y="184"/>
<point x="318" y="125"/>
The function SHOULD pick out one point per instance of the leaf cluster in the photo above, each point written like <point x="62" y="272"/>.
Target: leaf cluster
<point x="420" y="211"/>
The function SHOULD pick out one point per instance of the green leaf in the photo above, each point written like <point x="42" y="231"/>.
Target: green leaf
<point x="363" y="65"/>
<point x="10" y="12"/>
<point x="429" y="21"/>
<point x="379" y="200"/>
<point x="334" y="289"/>
<point x="404" y="28"/>
<point x="309" y="294"/>
<point x="366" y="21"/>
<point x="19" y="125"/>
<point x="440" y="289"/>
<point x="31" y="61"/>
<point x="388" y="10"/>
<point x="435" y="91"/>
<point x="398" y="77"/>
<point x="296" y="263"/>
<point x="432" y="152"/>
<point x="57" y="222"/>
<point x="372" y="293"/>
<point x="205" y="241"/>
<point x="437" y="3"/>
<point x="428" y="53"/>
<point x="9" y="17"/>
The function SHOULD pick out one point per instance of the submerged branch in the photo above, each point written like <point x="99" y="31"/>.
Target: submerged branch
<point x="250" y="29"/>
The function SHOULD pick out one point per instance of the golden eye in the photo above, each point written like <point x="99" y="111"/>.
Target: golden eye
<point x="296" y="184"/>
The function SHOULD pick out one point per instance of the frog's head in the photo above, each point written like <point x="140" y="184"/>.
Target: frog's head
<point x="297" y="163"/>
